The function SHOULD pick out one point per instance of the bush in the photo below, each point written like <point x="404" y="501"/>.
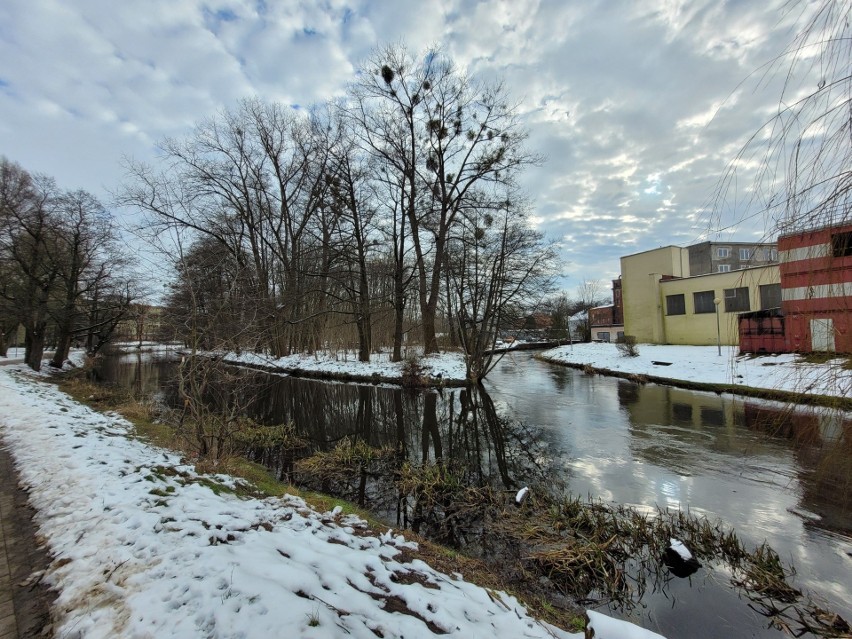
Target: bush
<point x="626" y="345"/>
<point x="413" y="373"/>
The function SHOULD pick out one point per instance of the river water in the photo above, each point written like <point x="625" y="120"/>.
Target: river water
<point x="773" y="473"/>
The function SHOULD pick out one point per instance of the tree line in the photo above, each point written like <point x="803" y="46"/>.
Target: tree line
<point x="391" y="214"/>
<point x="61" y="274"/>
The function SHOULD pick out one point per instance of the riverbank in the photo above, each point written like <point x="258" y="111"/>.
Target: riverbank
<point x="146" y="545"/>
<point x="437" y="369"/>
<point x="786" y="377"/>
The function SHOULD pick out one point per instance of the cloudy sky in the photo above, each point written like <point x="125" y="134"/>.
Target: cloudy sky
<point x="638" y="106"/>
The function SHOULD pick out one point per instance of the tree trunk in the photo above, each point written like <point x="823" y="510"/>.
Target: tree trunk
<point x="6" y="337"/>
<point x="430" y="339"/>
<point x="363" y="326"/>
<point x="34" y="342"/>
<point x="398" y="314"/>
<point x="63" y="347"/>
<point x="63" y="341"/>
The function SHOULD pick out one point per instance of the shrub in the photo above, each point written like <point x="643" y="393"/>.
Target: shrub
<point x="413" y="373"/>
<point x="626" y="345"/>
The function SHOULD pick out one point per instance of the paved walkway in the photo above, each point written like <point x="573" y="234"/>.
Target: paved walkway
<point x="24" y="600"/>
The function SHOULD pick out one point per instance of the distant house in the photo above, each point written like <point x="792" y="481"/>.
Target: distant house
<point x="724" y="257"/>
<point x="606" y="323"/>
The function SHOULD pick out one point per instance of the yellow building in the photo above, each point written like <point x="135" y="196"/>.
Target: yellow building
<point x="664" y="305"/>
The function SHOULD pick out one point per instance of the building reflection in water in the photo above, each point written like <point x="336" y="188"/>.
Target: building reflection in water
<point x="691" y="433"/>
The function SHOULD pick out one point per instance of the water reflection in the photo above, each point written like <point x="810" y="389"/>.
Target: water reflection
<point x="142" y="373"/>
<point x="772" y="473"/>
<point x="462" y="426"/>
<point x="693" y="433"/>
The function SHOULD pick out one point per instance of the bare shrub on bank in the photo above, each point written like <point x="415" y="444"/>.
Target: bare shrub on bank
<point x="626" y="345"/>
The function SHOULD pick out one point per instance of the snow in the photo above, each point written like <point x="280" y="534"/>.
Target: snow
<point x="679" y="547"/>
<point x="703" y="364"/>
<point x="147" y="347"/>
<point x="143" y="548"/>
<point x="449" y="367"/>
<point x="608" y="628"/>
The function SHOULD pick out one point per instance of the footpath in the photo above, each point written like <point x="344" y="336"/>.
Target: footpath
<point x="24" y="600"/>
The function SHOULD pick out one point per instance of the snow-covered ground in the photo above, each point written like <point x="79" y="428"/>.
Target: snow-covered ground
<point x="447" y="366"/>
<point x="142" y="546"/>
<point x="147" y="347"/>
<point x="703" y="364"/>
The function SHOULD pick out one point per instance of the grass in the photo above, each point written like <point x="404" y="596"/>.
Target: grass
<point x="313" y="619"/>
<point x="818" y="358"/>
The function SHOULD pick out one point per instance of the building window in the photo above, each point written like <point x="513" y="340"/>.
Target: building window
<point x="736" y="300"/>
<point x="603" y="336"/>
<point x="703" y="301"/>
<point x="770" y="296"/>
<point x="723" y="268"/>
<point x="841" y="244"/>
<point x="619" y="335"/>
<point x="745" y="254"/>
<point x="675" y="305"/>
<point x="773" y="255"/>
<point x="723" y="252"/>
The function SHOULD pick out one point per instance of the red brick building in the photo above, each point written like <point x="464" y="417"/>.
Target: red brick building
<point x="606" y="323"/>
<point x="816" y="289"/>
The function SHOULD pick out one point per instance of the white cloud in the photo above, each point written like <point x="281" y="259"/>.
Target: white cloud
<point x="638" y="107"/>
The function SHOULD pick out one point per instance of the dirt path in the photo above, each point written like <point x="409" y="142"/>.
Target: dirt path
<point x="24" y="600"/>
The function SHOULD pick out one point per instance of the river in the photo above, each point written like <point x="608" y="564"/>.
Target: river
<point x="771" y="472"/>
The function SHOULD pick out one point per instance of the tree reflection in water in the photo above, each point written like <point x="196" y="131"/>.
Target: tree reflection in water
<point x="448" y="465"/>
<point x="364" y="442"/>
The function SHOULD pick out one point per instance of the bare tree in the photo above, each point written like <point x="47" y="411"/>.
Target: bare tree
<point x="354" y="208"/>
<point x="29" y="244"/>
<point x="803" y="150"/>
<point x="449" y="139"/>
<point x="590" y="294"/>
<point x="86" y="259"/>
<point x="253" y="180"/>
<point x="496" y="262"/>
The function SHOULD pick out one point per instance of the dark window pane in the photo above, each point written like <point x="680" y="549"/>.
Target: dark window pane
<point x="736" y="300"/>
<point x="770" y="296"/>
<point x="681" y="412"/>
<point x="675" y="305"/>
<point x="712" y="416"/>
<point x="841" y="244"/>
<point x="703" y="301"/>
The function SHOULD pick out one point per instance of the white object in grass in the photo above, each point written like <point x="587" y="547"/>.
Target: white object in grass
<point x="680" y="549"/>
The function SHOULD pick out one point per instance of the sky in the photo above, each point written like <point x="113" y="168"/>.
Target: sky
<point x="638" y="107"/>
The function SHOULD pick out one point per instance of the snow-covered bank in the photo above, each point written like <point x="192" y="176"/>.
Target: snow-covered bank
<point x="147" y="347"/>
<point x="703" y="365"/>
<point x="143" y="546"/>
<point x="446" y="368"/>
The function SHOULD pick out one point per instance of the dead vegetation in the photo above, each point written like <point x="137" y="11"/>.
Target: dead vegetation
<point x="564" y="551"/>
<point x="556" y="553"/>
